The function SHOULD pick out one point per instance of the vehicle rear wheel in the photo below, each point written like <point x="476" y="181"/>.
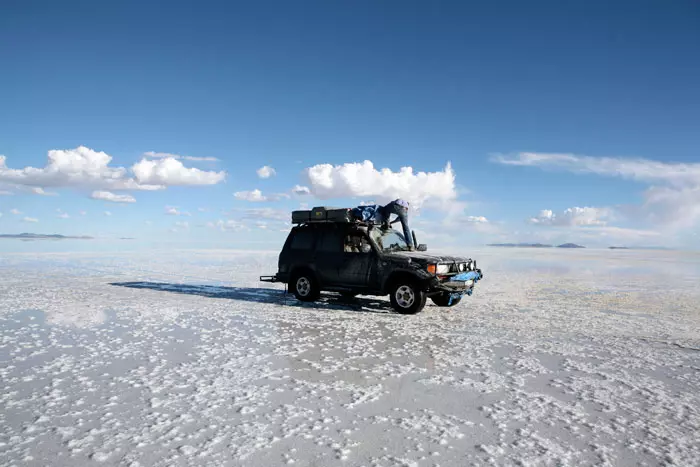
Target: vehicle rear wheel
<point x="443" y="299"/>
<point x="407" y="298"/>
<point x="305" y="287"/>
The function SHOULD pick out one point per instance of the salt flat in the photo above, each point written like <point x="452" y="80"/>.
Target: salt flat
<point x="561" y="357"/>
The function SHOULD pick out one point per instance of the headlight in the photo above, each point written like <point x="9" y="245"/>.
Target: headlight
<point x="443" y="268"/>
<point x="462" y="267"/>
<point x="472" y="266"/>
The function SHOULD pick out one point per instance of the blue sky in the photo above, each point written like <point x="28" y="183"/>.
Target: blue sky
<point x="561" y="121"/>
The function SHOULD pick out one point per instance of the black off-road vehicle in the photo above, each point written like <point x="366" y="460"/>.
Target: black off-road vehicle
<point x="329" y="250"/>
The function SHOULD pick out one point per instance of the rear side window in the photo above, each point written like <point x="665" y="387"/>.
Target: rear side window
<point x="331" y="242"/>
<point x="302" y="240"/>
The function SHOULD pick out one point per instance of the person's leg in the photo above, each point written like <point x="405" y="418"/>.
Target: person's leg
<point x="403" y="217"/>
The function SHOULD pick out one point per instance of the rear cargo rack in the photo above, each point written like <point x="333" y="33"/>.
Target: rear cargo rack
<point x="323" y="214"/>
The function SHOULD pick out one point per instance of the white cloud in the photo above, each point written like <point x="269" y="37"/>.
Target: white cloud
<point x="266" y="171"/>
<point x="671" y="203"/>
<point x="301" y="190"/>
<point x="63" y="215"/>
<point x="114" y="198"/>
<point x="107" y="213"/>
<point x="30" y="219"/>
<point x="363" y="180"/>
<point x="171" y="172"/>
<point x="165" y="155"/>
<point x="83" y="167"/>
<point x="15" y="211"/>
<point x="678" y="174"/>
<point x="40" y="191"/>
<point x="477" y="219"/>
<point x="83" y="213"/>
<point x="6" y="193"/>
<point x="253" y="196"/>
<point x="575" y="216"/>
<point x="173" y="211"/>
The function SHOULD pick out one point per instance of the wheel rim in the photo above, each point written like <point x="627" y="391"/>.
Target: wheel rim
<point x="405" y="296"/>
<point x="303" y="286"/>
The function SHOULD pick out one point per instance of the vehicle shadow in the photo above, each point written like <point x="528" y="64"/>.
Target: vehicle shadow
<point x="328" y="300"/>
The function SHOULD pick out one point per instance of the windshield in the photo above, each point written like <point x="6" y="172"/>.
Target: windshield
<point x="389" y="240"/>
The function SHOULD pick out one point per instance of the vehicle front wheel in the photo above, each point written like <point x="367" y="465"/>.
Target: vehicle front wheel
<point x="444" y="300"/>
<point x="407" y="298"/>
<point x="305" y="287"/>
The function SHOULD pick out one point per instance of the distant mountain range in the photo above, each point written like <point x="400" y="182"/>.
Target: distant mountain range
<point x="33" y="236"/>
<point x="536" y="245"/>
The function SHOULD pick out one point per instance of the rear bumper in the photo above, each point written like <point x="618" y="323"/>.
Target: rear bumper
<point x="274" y="278"/>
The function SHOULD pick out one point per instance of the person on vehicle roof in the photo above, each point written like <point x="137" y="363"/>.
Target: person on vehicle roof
<point x="382" y="215"/>
<point x="400" y="208"/>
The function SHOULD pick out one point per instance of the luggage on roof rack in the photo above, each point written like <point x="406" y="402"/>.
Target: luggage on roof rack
<point x="322" y="214"/>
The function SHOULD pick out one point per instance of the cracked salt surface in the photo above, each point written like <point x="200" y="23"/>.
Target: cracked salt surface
<point x="559" y="358"/>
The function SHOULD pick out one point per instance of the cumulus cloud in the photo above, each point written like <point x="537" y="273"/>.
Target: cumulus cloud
<point x="15" y="211"/>
<point x="477" y="219"/>
<point x="109" y="196"/>
<point x="83" y="167"/>
<point x="575" y="216"/>
<point x="266" y="171"/>
<point x="352" y="180"/>
<point x="171" y="172"/>
<point x="165" y="155"/>
<point x="253" y="196"/>
<point x="301" y="190"/>
<point x="30" y="219"/>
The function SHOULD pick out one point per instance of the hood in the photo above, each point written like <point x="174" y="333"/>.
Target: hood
<point x="423" y="257"/>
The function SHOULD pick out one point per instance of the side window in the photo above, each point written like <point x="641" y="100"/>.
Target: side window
<point x="303" y="240"/>
<point x="356" y="243"/>
<point x="330" y="242"/>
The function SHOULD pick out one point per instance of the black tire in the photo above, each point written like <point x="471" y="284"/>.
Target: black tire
<point x="444" y="299"/>
<point x="406" y="298"/>
<point x="305" y="286"/>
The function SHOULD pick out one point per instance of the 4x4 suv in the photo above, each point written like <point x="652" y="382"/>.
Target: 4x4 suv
<point x="355" y="258"/>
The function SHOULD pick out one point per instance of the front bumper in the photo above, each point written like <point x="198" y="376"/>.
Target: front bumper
<point x="459" y="284"/>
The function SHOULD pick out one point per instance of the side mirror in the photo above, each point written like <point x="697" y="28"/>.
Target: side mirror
<point x="422" y="247"/>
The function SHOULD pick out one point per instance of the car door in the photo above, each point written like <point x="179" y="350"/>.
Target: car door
<point x="329" y="255"/>
<point x="358" y="257"/>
